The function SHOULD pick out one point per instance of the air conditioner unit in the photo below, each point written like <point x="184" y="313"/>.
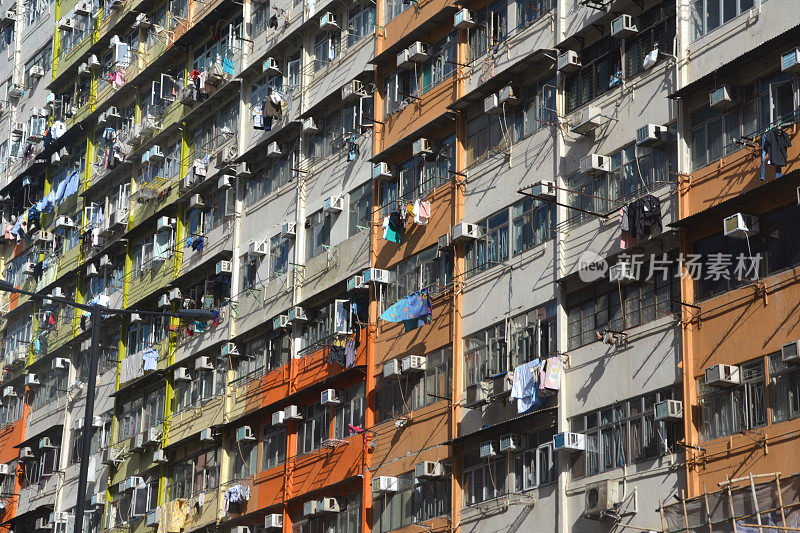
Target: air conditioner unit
<point x="156" y="154"/>
<point x="669" y="410"/>
<point x="376" y="275"/>
<point x="569" y="441"/>
<point x="354" y="283"/>
<point x="392" y="368"/>
<point x="586" y="120"/>
<point x="353" y="90"/>
<point x="189" y="181"/>
<point x="509" y="442"/>
<point x="297" y="313"/>
<point x="43" y="236"/>
<point x="270" y="66"/>
<point x="327" y="22"/>
<point x="790" y="61"/>
<point x="105" y="261"/>
<point x="740" y="226"/>
<point x="329" y="397"/>
<point x="444" y="242"/>
<point x="651" y="135"/>
<point x="242" y="171"/>
<point x="206" y="435"/>
<point x="57" y="292"/>
<point x="9" y="392"/>
<point x="204" y="363"/>
<point x="310" y="508"/>
<point x="32" y="380"/>
<point x="463" y="19"/>
<point x="501" y="385"/>
<point x="225" y="182"/>
<point x="476" y="394"/>
<point x="136" y="318"/>
<point x="258" y="248"/>
<point x="196" y="202"/>
<point x="112" y="112"/>
<point x="722" y="375"/>
<point x="506" y="95"/>
<point x="595" y="165"/>
<point x="15" y="90"/>
<point x="403" y="61"/>
<point x="464" y="231"/>
<point x="333" y="204"/>
<point x="384" y="484"/>
<point x="244" y="433"/>
<point x="133" y="482"/>
<point x="224" y="267"/>
<point x="152" y="436"/>
<point x="414" y="363"/>
<point x="91" y="270"/>
<point x="491" y="104"/>
<point x="569" y="61"/>
<point x="278" y="418"/>
<point x="273" y="521"/>
<point x="273" y="150"/>
<point x="418" y="52"/>
<point x="18" y="128"/>
<point x="327" y="505"/>
<point x="544" y="189"/>
<point x="381" y="171"/>
<point x="5" y="469"/>
<point x="721" y="98"/>
<point x="36" y="71"/>
<point x="60" y="363"/>
<point x="138" y="442"/>
<point x="9" y="16"/>
<point x="26" y="452"/>
<point x="601" y="496"/>
<point x="44" y="523"/>
<point x="288" y="230"/>
<point x="428" y="470"/>
<point x="64" y="222"/>
<point x="422" y="147"/>
<point x="66" y="23"/>
<point x="92" y="62"/>
<point x="181" y="374"/>
<point x="98" y="499"/>
<point x="229" y="349"/>
<point x="623" y="26"/>
<point x="292" y="412"/>
<point x="280" y="322"/>
<point x="83" y="70"/>
<point x="83" y="8"/>
<point x="487" y="449"/>
<point x="165" y="223"/>
<point x="141" y="22"/>
<point x="309" y="126"/>
<point x="163" y="301"/>
<point x="790" y="352"/>
<point x="46" y="442"/>
<point x="623" y="271"/>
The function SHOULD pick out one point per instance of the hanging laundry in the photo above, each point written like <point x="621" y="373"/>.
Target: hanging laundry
<point x="353" y="151"/>
<point x="337" y="356"/>
<point x="422" y="212"/>
<point x="651" y="58"/>
<point x="552" y="380"/>
<point x="413" y="306"/>
<point x="58" y="129"/>
<point x="523" y="388"/>
<point x="258" y="116"/>
<point x="626" y="240"/>
<point x="350" y="354"/>
<point x="774" y="145"/>
<point x="199" y="168"/>
<point x="644" y="217"/>
<point x="236" y="495"/>
<point x="389" y="233"/>
<point x="273" y="22"/>
<point x="396" y="221"/>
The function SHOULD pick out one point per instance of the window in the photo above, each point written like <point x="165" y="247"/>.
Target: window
<point x="360" y="23"/>
<point x="35" y="9"/>
<point x="483" y="479"/>
<point x="76" y="442"/>
<point x="245" y="459"/>
<point x="535" y="466"/>
<point x="394" y="8"/>
<point x="532" y="224"/>
<point x="423" y="270"/>
<point x="44" y="465"/>
<point x="53" y="387"/>
<point x="269" y="178"/>
<point x="339" y="128"/>
<point x="319" y="233"/>
<point x="43" y="59"/>
<point x="529" y="11"/>
<point x="350" y="412"/>
<point x="273" y="447"/>
<point x="729" y="410"/>
<point x="656" y="29"/>
<point x="6" y="38"/>
<point x="594" y="308"/>
<point x="420" y="176"/>
<point x="7" y="486"/>
<point x="708" y="15"/>
<point x="145" y="334"/>
<point x="492" y="247"/>
<point x="399" y="396"/>
<point x="326" y="49"/>
<point x="488" y="353"/>
<point x="280" y="250"/>
<point x="11" y="408"/>
<point x="318" y="329"/>
<point x="293" y="67"/>
<point x="416" y="501"/>
<point x="623" y="434"/>
<point x="193" y="475"/>
<point x="440" y="64"/>
<point x="601" y="71"/>
<point x="263" y="354"/>
<point x="491" y="27"/>
<point x="145" y="496"/>
<point x="203" y="386"/>
<point x="347" y="520"/>
<point x="784" y="384"/>
<point x="70" y="39"/>
<point x="400" y="86"/>
<point x="313" y="429"/>
<point x="360" y="209"/>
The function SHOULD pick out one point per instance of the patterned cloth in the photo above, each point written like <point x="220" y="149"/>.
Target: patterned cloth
<point x="413" y="306"/>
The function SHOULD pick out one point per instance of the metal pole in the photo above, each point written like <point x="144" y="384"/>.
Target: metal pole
<point x="88" y="415"/>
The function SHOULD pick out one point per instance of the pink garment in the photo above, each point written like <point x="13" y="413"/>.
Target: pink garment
<point x="424" y="209"/>
<point x="626" y="240"/>
<point x="552" y="379"/>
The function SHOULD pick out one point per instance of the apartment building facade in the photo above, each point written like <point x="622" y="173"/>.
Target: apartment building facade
<point x="388" y="213"/>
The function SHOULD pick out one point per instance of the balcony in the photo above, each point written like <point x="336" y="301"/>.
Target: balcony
<point x="47" y="416"/>
<point x="56" y="336"/>
<point x="151" y="198"/>
<point x="38" y="495"/>
<point x="63" y="64"/>
<point x="83" y="107"/>
<point x="413" y="24"/>
<point x="189" y="345"/>
<point x="328" y="78"/>
<point x="218" y="245"/>
<point x="189" y="423"/>
<point x="155" y="276"/>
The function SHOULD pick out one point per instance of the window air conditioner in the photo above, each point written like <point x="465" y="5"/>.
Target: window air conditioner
<point x="623" y="26"/>
<point x="487" y="449"/>
<point x="722" y="375"/>
<point x="586" y="120"/>
<point x="721" y="97"/>
<point x="355" y="282"/>
<point x="352" y="90"/>
<point x="152" y="436"/>
<point x="651" y="135"/>
<point x="163" y="301"/>
<point x="418" y="52"/>
<point x="328" y="505"/>
<point x="429" y="470"/>
<point x="476" y="394"/>
<point x="278" y="418"/>
<point x="595" y="165"/>
<point x="244" y="433"/>
<point x="790" y="61"/>
<point x="46" y="442"/>
<point x="136" y="318"/>
<point x="83" y="70"/>
<point x="66" y="23"/>
<point x="790" y="352"/>
<point x="384" y="484"/>
<point x="569" y="61"/>
<point x="740" y="226"/>
<point x="224" y="267"/>
<point x="463" y="19"/>
<point x="273" y="521"/>
<point x="204" y="363"/>
<point x="98" y="499"/>
<point x="165" y="223"/>
<point x="18" y="128"/>
<point x="292" y="412"/>
<point x="273" y="150"/>
<point x="392" y="368"/>
<point x="43" y="236"/>
<point x="26" y="452"/>
<point x="506" y="95"/>
<point x="32" y="380"/>
<point x="229" y="349"/>
<point x="669" y="410"/>
<point x="600" y="497"/>
<point x="403" y="61"/>
<point x="44" y="523"/>
<point x="329" y="397"/>
<point x="270" y="66"/>
<point x="381" y="171"/>
<point x="9" y="392"/>
<point x="280" y="322"/>
<point x="569" y="441"/>
<point x="64" y="222"/>
<point x="310" y="508"/>
<point x="5" y="469"/>
<point x="501" y="385"/>
<point x="196" y="202"/>
<point x="491" y="104"/>
<point x="333" y="204"/>
<point x="83" y="8"/>
<point x="60" y="363"/>
<point x="376" y="275"/>
<point x="422" y="147"/>
<point x="225" y="182"/>
<point x="206" y="435"/>
<point x="327" y="22"/>
<point x="36" y="71"/>
<point x="288" y="230"/>
<point x="181" y="374"/>
<point x="509" y="442"/>
<point x="464" y="231"/>
<point x="414" y="363"/>
<point x="309" y="126"/>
